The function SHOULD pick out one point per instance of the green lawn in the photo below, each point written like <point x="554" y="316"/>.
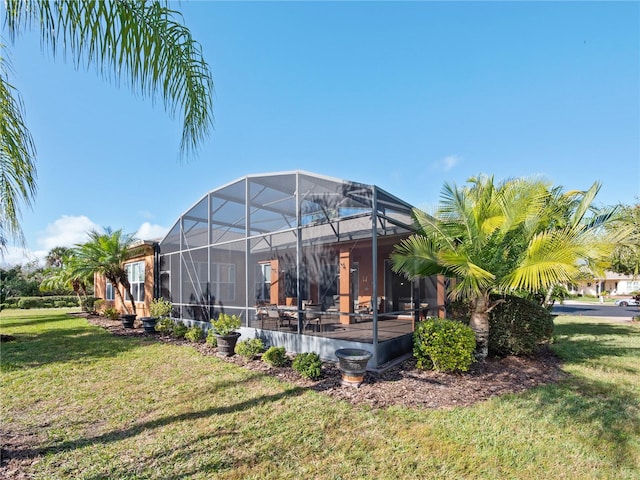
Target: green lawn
<point x="89" y="405"/>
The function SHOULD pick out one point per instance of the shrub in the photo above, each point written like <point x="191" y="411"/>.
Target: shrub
<point x="250" y="348"/>
<point x="444" y="345"/>
<point x="211" y="339"/>
<point x="194" y="334"/>
<point x="30" y="302"/>
<point x="98" y="304"/>
<point x="159" y="307"/>
<point x="165" y="325"/>
<point x="179" y="330"/>
<point x="308" y="365"/>
<point x="111" y="313"/>
<point x="275" y="356"/>
<point x="59" y="304"/>
<point x="225" y="324"/>
<point x="516" y="327"/>
<point x="87" y="304"/>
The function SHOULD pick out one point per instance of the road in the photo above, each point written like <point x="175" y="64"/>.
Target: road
<point x="596" y="310"/>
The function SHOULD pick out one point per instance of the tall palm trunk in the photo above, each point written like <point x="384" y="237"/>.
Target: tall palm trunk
<point x="80" y="290"/>
<point x="480" y="308"/>
<point x="115" y="281"/>
<point x="127" y="286"/>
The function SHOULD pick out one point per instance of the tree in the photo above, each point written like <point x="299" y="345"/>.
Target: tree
<point x="518" y="235"/>
<point x="139" y="43"/>
<point x="105" y="254"/>
<point x="57" y="257"/>
<point x="64" y="273"/>
<point x="626" y="254"/>
<point x="20" y="281"/>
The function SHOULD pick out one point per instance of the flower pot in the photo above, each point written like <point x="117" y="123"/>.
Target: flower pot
<point x="353" y="365"/>
<point x="128" y="319"/>
<point x="149" y="324"/>
<point x="227" y="344"/>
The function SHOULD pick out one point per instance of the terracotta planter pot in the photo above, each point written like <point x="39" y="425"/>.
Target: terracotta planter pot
<point x="227" y="344"/>
<point x="353" y="365"/>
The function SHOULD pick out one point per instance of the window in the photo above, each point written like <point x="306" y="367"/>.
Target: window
<point x="108" y="292"/>
<point x="223" y="281"/>
<point x="263" y="282"/>
<point x="135" y="274"/>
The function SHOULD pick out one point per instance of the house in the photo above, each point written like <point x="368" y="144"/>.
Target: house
<point x="303" y="259"/>
<point x="611" y="283"/>
<point x="140" y="268"/>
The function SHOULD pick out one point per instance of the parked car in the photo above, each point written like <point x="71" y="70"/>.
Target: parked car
<point x="625" y="302"/>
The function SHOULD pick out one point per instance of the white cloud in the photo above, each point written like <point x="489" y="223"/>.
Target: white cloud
<point x="446" y="163"/>
<point x="148" y="231"/>
<point x="19" y="256"/>
<point x="66" y="232"/>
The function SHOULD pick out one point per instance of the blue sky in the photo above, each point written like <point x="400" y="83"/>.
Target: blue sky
<point x="406" y="96"/>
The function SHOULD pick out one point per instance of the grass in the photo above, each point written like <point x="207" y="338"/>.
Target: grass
<point x="89" y="405"/>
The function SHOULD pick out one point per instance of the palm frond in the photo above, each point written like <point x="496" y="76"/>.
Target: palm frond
<point x="139" y="43"/>
<point x="416" y="256"/>
<point x="17" y="159"/>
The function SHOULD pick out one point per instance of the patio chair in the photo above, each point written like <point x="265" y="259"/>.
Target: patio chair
<point x="274" y="314"/>
<point x="313" y="316"/>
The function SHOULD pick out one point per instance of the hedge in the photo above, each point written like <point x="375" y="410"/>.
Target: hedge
<point x="51" y="301"/>
<point x="517" y="326"/>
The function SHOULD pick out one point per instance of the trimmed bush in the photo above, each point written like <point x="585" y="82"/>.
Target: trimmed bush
<point x="250" y="348"/>
<point x="194" y="334"/>
<point x="212" y="339"/>
<point x="165" y="325"/>
<point x="49" y="301"/>
<point x="87" y="304"/>
<point x="308" y="365"/>
<point x="444" y="345"/>
<point x="179" y="330"/>
<point x="31" y="302"/>
<point x="517" y="326"/>
<point x="275" y="356"/>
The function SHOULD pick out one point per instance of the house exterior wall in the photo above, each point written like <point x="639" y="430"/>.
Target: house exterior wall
<point x="613" y="284"/>
<point x="145" y="254"/>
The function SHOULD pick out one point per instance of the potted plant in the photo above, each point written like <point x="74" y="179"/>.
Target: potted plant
<point x="225" y="330"/>
<point x="159" y="308"/>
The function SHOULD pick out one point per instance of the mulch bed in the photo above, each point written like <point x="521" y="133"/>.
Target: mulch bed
<point x="401" y="384"/>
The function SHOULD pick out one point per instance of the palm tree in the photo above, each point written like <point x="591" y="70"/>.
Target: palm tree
<point x="65" y="273"/>
<point x="105" y="254"/>
<point x="626" y="255"/>
<point x="139" y="43"/>
<point x="57" y="257"/>
<point x="517" y="235"/>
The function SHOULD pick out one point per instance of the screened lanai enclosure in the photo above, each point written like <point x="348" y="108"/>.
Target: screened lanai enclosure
<point x="303" y="260"/>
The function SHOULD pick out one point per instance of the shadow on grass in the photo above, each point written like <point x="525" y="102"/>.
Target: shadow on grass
<point x="578" y="342"/>
<point x="14" y="322"/>
<point x="608" y="409"/>
<point x="134" y="430"/>
<point x="61" y="345"/>
<point x="609" y="413"/>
